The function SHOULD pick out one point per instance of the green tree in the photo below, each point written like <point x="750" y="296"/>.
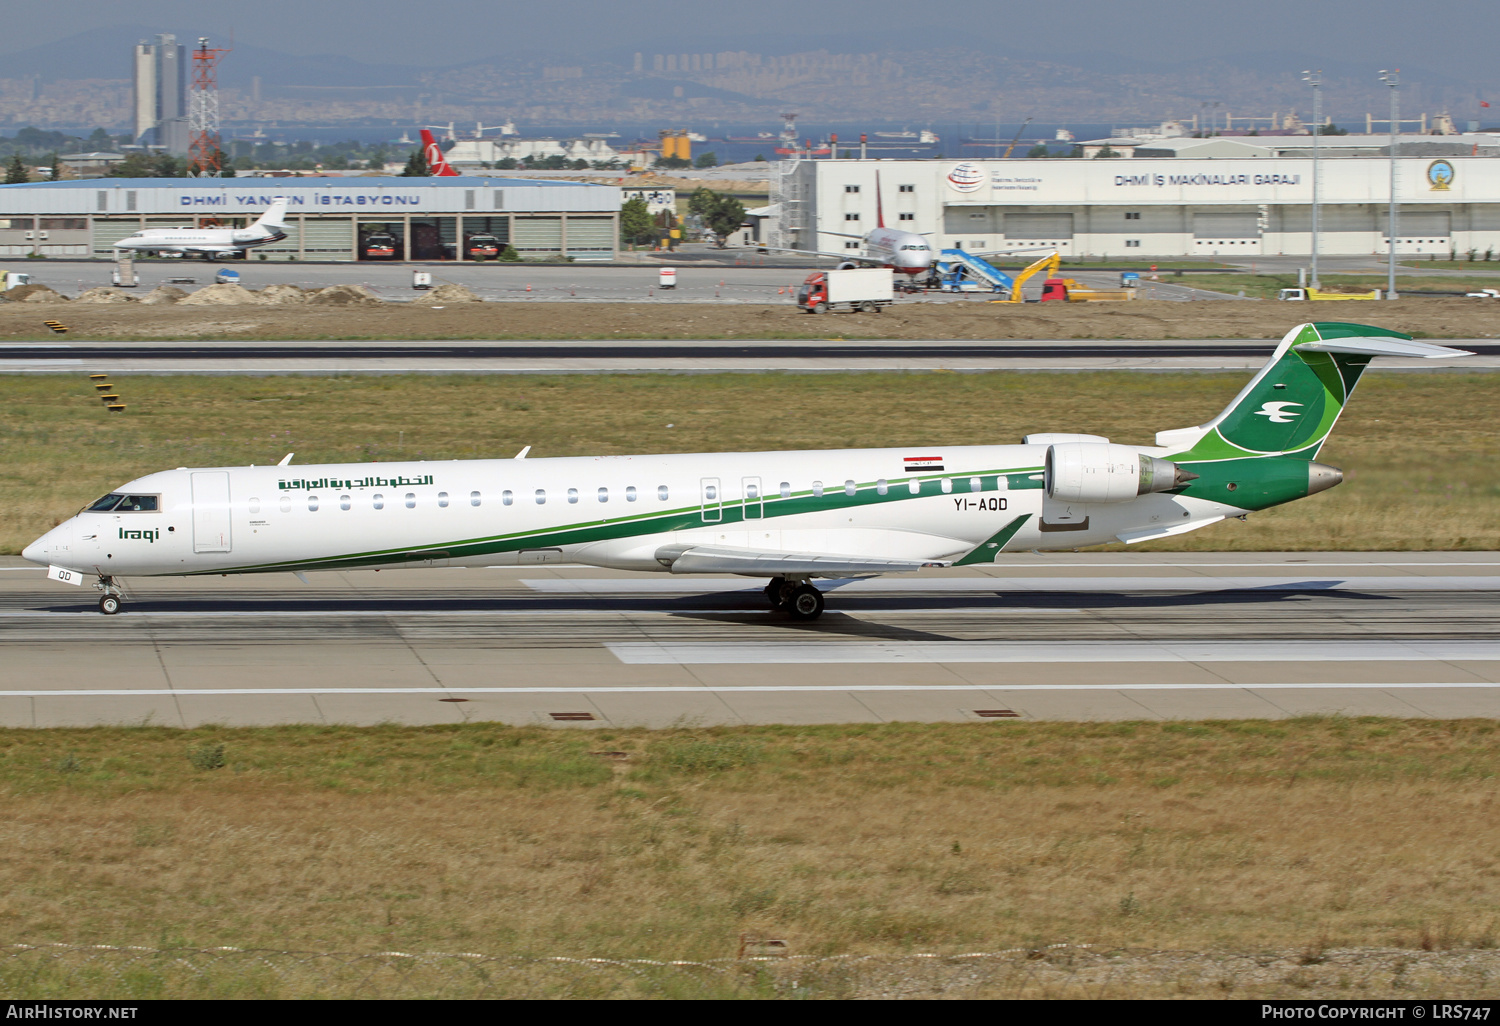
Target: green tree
<point x="54" y="167"/>
<point x="416" y="166"/>
<point x="673" y="163"/>
<point x="506" y="164"/>
<point x="16" y="172"/>
<point x="580" y="164"/>
<point x="509" y="254"/>
<point x="635" y="222"/>
<point x="99" y="141"/>
<point x="761" y="157"/>
<point x="1106" y="151"/>
<point x="722" y="215"/>
<point x="707" y="159"/>
<point x="1039" y="150"/>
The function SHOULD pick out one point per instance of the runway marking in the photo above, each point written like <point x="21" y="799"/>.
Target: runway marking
<point x="1270" y="651"/>
<point x="689" y="689"/>
<point x="619" y="586"/>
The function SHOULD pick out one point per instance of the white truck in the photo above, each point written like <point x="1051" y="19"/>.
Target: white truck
<point x="867" y="289"/>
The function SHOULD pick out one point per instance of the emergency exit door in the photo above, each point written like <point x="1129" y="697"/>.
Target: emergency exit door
<point x="211" y="511"/>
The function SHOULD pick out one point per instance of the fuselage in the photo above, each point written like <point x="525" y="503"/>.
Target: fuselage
<point x="903" y="252"/>
<point x="929" y="504"/>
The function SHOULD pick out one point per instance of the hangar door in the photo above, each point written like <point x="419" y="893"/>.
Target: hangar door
<point x="1038" y="226"/>
<point x="1413" y="224"/>
<point x="1227" y="225"/>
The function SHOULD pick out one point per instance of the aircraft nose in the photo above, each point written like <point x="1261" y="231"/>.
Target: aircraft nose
<point x="46" y="549"/>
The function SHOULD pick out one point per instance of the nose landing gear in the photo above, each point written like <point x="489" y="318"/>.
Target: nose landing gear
<point x="113" y="597"/>
<point x="798" y="598"/>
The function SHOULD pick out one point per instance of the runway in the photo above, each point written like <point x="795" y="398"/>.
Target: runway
<point x="1046" y="636"/>
<point x="702" y="356"/>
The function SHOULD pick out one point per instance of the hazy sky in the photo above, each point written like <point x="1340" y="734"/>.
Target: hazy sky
<point x="1458" y="35"/>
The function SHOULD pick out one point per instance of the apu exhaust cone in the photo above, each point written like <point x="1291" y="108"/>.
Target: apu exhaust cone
<point x="1321" y="477"/>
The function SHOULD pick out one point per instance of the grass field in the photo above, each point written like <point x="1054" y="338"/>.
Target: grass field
<point x="1422" y="458"/>
<point x="1268" y="286"/>
<point x="1231" y="836"/>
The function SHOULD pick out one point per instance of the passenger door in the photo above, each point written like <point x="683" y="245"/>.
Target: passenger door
<point x="211" y="528"/>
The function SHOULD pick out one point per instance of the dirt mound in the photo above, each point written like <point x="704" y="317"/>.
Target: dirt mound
<point x="283" y="295"/>
<point x="445" y="295"/>
<point x="221" y="295"/>
<point x="164" y="295"/>
<point x="103" y="295"/>
<point x="34" y="294"/>
<point x="344" y="295"/>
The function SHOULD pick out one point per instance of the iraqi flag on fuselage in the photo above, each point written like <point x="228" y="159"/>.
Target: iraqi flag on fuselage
<point x="918" y="464"/>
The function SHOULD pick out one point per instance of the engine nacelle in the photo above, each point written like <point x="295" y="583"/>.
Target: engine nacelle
<point x="1101" y="472"/>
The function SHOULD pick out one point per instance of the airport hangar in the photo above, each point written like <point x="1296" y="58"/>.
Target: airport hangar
<point x="1144" y="206"/>
<point x="327" y="217"/>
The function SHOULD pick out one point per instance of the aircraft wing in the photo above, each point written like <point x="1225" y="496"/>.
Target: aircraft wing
<point x="720" y="559"/>
<point x="820" y="253"/>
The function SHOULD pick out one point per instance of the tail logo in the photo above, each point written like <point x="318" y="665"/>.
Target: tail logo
<point x="1277" y="413"/>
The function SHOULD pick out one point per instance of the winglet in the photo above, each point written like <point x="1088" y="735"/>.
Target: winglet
<point x="285" y="460"/>
<point x="522" y="454"/>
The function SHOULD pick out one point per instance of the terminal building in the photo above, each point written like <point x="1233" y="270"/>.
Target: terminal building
<point x="328" y="219"/>
<point x="1144" y="206"/>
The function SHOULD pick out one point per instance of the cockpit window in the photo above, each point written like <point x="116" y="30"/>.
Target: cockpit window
<point x="117" y="503"/>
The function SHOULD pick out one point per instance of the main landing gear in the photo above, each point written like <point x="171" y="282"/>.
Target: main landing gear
<point x="110" y="601"/>
<point x="799" y="599"/>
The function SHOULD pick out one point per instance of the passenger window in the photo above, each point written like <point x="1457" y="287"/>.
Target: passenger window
<point x="914" y="486"/>
<point x="818" y="489"/>
<point x="254" y="505"/>
<point x="286" y="504"/>
<point x="572" y="495"/>
<point x="710" y="492"/>
<point x="976" y="485"/>
<point x="752" y="491"/>
<point x="343" y="502"/>
<point x="506" y="498"/>
<point x="541" y="496"/>
<point x="604" y="495"/>
<point x="850" y="488"/>
<point x="411" y="500"/>
<point x="442" y="500"/>
<point x="661" y="493"/>
<point x="379" y="501"/>
<point x="312" y="503"/>
<point x="786" y="489"/>
<point x="881" y="487"/>
<point x="947" y="485"/>
<point x="630" y="493"/>
<point x="475" y="500"/>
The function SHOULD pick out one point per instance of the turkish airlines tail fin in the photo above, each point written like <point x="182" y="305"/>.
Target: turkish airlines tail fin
<point x="437" y="164"/>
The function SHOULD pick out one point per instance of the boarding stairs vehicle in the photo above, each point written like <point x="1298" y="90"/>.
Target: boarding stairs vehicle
<point x="957" y="271"/>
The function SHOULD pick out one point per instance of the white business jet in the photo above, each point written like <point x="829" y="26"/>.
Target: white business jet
<point x="790" y="517"/>
<point x="213" y="243"/>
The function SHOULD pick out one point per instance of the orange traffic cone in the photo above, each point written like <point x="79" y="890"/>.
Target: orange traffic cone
<point x="528" y="286"/>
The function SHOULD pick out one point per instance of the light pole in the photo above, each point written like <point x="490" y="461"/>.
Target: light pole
<point x="1392" y="79"/>
<point x="1315" y="79"/>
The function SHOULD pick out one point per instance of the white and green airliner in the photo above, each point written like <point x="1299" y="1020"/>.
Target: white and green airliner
<point x="790" y="517"/>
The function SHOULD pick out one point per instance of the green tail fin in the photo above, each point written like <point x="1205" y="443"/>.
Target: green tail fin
<point x="1289" y="408"/>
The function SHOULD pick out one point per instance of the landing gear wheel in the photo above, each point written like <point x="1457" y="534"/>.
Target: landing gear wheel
<point x="109" y="605"/>
<point x="773" y="591"/>
<point x="806" y="603"/>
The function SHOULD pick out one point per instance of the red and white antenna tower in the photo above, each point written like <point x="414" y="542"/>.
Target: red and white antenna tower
<point x="203" y="110"/>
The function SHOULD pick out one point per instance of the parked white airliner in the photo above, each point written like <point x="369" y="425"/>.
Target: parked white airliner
<point x="786" y="516"/>
<point x="213" y="242"/>
<point x="903" y="252"/>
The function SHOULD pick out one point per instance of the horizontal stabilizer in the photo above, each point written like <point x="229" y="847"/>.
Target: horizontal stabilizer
<point x="1383" y="347"/>
<point x="707" y="559"/>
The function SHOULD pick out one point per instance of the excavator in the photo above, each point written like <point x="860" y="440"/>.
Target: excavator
<point x="1048" y="263"/>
